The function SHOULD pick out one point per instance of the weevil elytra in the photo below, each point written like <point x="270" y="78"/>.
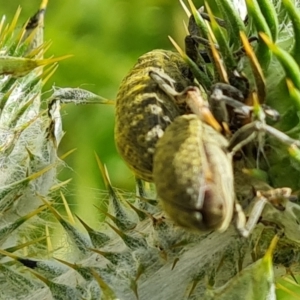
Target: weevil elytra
<point x="144" y="110"/>
<point x="193" y="170"/>
<point x="193" y="175"/>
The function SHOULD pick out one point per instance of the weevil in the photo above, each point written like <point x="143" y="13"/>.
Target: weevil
<point x="193" y="175"/>
<point x="193" y="170"/>
<point x="144" y="110"/>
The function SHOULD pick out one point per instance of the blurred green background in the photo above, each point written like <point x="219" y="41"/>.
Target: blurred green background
<point x="106" y="38"/>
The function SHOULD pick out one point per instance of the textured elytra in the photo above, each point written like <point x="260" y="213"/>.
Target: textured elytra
<point x="193" y="175"/>
<point x="144" y="110"/>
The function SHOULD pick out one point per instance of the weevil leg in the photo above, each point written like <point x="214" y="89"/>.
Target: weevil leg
<point x="240" y="219"/>
<point x="277" y="197"/>
<point x="191" y="96"/>
<point x="222" y="91"/>
<point x="165" y="82"/>
<point x="246" y="227"/>
<point x="278" y="134"/>
<point x="242" y="137"/>
<point x="250" y="131"/>
<point x="217" y="97"/>
<point x="223" y="94"/>
<point x="233" y="97"/>
<point x="270" y="112"/>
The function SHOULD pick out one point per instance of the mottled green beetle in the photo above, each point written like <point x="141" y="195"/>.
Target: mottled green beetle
<point x="193" y="175"/>
<point x="144" y="110"/>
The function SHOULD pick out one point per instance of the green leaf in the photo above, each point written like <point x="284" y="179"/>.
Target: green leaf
<point x="254" y="282"/>
<point x="19" y="66"/>
<point x="223" y="43"/>
<point x="268" y="10"/>
<point x="294" y="15"/>
<point x="263" y="53"/>
<point x="234" y="23"/>
<point x="290" y="66"/>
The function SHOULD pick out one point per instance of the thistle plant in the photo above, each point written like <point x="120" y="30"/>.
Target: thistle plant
<point x="138" y="252"/>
